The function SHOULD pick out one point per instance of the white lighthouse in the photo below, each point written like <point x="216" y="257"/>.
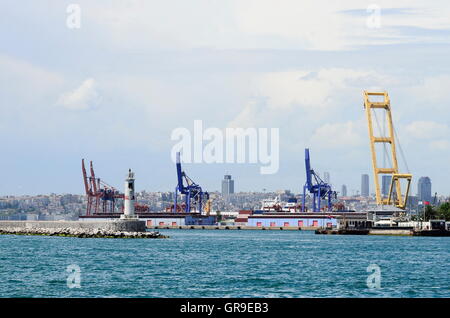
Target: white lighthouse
<point x="128" y="212"/>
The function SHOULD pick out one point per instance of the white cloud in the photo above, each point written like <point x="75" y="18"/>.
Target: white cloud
<point x="433" y="91"/>
<point x="82" y="98"/>
<point x="324" y="25"/>
<point x="339" y="135"/>
<point x="428" y="135"/>
<point x="440" y="145"/>
<point x="250" y="116"/>
<point x="313" y="89"/>
<point x="250" y="24"/>
<point x="308" y="24"/>
<point x="426" y="130"/>
<point x="307" y="96"/>
<point x="26" y="80"/>
<point x="24" y="94"/>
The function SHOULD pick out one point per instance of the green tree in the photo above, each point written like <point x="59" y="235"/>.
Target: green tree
<point x="444" y="211"/>
<point x="219" y="216"/>
<point x="430" y="213"/>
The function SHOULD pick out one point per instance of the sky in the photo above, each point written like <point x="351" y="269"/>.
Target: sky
<point x="114" y="89"/>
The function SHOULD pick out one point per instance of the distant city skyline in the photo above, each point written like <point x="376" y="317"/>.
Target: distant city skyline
<point x="229" y="184"/>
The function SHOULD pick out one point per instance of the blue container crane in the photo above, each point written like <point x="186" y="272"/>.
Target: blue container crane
<point x="193" y="193"/>
<point x="316" y="186"/>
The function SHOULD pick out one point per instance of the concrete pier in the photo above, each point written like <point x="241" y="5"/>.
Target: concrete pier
<point x="368" y="231"/>
<point x="85" y="228"/>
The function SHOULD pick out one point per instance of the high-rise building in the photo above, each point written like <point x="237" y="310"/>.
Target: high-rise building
<point x="385" y="185"/>
<point x="412" y="204"/>
<point x="227" y="185"/>
<point x="344" y="190"/>
<point x="365" y="185"/>
<point x="424" y="189"/>
<point x="326" y="177"/>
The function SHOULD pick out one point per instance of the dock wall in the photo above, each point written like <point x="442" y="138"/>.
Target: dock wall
<point x="375" y="231"/>
<point x="232" y="227"/>
<point x="107" y="225"/>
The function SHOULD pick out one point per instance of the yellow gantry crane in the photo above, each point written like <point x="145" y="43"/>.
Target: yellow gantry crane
<point x="208" y="207"/>
<point x="395" y="196"/>
<point x="208" y="204"/>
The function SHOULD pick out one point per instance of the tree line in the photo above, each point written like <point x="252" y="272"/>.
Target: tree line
<point x="441" y="212"/>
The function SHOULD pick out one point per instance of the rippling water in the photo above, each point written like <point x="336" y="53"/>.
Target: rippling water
<point x="208" y="263"/>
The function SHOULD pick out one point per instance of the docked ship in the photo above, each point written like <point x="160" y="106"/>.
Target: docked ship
<point x="276" y="205"/>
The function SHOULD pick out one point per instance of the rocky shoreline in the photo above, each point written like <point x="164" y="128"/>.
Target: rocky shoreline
<point x="81" y="233"/>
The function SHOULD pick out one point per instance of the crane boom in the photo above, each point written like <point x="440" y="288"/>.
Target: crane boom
<point x="180" y="175"/>
<point x="194" y="195"/>
<point x="395" y="196"/>
<point x="319" y="189"/>
<point x="94" y="181"/>
<point x="88" y="189"/>
<point x="308" y="169"/>
<point x="85" y="178"/>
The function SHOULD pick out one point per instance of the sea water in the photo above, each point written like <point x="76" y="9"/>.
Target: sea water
<point x="226" y="263"/>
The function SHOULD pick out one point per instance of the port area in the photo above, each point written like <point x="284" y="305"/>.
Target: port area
<point x="399" y="231"/>
<point x="233" y="227"/>
<point x="131" y="228"/>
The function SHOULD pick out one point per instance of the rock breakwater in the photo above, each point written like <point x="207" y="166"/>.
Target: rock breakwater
<point x="81" y="233"/>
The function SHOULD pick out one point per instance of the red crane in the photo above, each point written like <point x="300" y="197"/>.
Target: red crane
<point x="101" y="195"/>
<point x="87" y="188"/>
